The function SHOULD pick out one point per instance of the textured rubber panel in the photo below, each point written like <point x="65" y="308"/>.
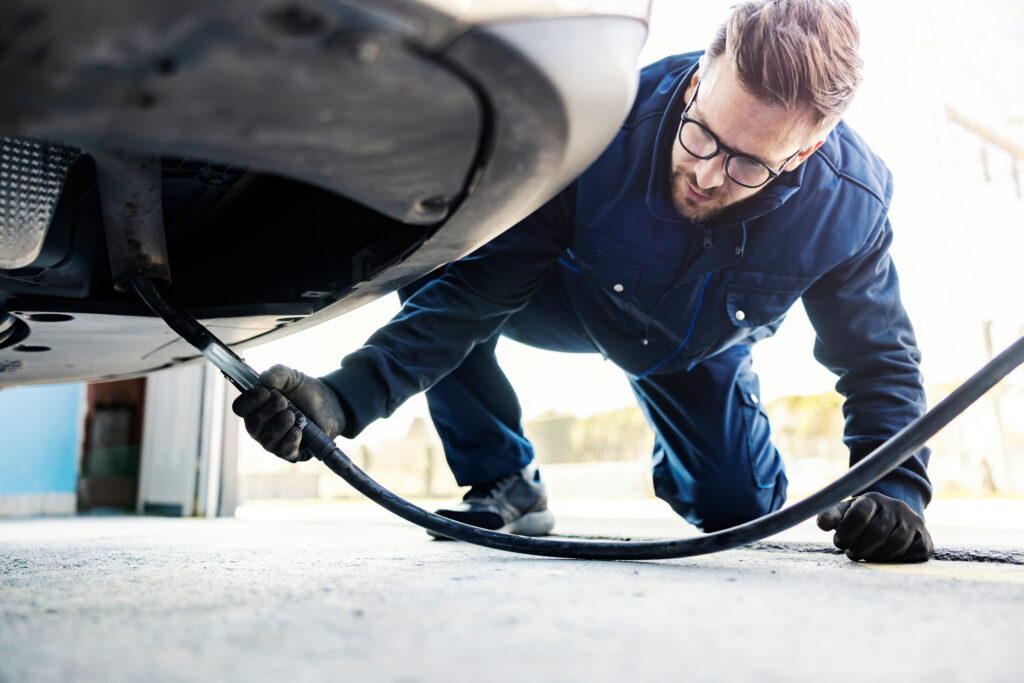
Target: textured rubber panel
<point x="538" y="523"/>
<point x="32" y="174"/>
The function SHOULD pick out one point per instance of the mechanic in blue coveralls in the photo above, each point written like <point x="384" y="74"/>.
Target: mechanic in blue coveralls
<point x="732" y="189"/>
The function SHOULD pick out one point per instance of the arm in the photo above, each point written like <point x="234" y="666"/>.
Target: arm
<point x="441" y="323"/>
<point x="865" y="337"/>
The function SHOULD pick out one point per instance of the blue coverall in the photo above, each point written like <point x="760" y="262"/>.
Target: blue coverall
<point x="609" y="266"/>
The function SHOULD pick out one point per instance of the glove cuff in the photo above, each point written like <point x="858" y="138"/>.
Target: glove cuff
<point x="908" y="493"/>
<point x="361" y="395"/>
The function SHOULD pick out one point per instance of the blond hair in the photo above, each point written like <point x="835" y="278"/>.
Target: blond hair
<point x="794" y="53"/>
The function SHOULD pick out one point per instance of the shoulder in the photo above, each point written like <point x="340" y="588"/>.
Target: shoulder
<point x="627" y="160"/>
<point x="841" y="207"/>
<point x="846" y="163"/>
<point x="658" y="83"/>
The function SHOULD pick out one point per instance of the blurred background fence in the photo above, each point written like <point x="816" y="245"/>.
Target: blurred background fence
<point x="608" y="455"/>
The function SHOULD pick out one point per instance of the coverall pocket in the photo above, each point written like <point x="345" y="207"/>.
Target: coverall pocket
<point x="749" y="307"/>
<point x="765" y="462"/>
<point x="747" y="313"/>
<point x="616" y="278"/>
<point x="611" y="285"/>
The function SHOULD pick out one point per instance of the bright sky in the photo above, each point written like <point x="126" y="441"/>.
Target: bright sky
<point x="958" y="240"/>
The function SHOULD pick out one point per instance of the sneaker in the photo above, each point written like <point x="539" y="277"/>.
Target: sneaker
<point x="514" y="504"/>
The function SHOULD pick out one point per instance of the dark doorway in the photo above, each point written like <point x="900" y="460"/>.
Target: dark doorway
<point x="109" y="476"/>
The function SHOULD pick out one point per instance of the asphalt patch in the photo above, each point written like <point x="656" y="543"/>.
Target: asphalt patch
<point x="987" y="555"/>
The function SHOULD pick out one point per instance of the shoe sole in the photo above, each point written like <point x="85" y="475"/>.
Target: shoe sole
<point x="539" y="523"/>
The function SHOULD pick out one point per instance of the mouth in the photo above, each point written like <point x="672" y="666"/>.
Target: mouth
<point x="694" y="195"/>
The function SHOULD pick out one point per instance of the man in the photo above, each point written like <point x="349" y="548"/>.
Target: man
<point x="732" y="190"/>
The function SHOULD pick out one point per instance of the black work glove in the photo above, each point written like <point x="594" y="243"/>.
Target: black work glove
<point x="272" y="425"/>
<point x="878" y="528"/>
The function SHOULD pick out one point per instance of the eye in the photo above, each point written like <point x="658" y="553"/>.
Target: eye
<point x="747" y="171"/>
<point x="696" y="139"/>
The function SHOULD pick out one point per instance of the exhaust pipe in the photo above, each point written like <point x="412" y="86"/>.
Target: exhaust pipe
<point x="130" y="199"/>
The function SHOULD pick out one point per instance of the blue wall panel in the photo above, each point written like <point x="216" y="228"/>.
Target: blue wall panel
<point x="40" y="435"/>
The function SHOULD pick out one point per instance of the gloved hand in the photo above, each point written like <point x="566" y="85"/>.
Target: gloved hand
<point x="272" y="425"/>
<point x="878" y="528"/>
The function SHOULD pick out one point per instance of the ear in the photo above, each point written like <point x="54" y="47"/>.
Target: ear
<point x="694" y="80"/>
<point x="803" y="155"/>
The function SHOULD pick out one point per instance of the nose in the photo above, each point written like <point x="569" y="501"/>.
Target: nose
<point x="710" y="172"/>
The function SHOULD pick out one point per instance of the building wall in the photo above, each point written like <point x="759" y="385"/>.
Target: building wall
<point x="40" y="438"/>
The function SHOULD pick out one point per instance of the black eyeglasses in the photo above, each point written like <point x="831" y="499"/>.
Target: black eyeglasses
<point x="703" y="144"/>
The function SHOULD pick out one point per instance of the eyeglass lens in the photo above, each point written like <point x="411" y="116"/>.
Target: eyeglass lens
<point x="699" y="142"/>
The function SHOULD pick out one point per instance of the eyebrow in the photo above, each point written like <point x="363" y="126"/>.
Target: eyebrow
<point x="735" y="150"/>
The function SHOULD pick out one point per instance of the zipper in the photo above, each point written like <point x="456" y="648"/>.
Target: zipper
<point x="568" y="260"/>
<point x="689" y="332"/>
<point x="707" y="238"/>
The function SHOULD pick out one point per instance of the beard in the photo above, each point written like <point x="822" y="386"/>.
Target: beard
<point x="719" y="198"/>
<point x="689" y="209"/>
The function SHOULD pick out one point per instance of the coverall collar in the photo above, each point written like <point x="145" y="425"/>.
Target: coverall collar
<point x="659" y="195"/>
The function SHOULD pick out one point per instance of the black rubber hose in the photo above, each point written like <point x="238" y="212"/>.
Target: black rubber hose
<point x="175" y="317"/>
<point x="883" y="460"/>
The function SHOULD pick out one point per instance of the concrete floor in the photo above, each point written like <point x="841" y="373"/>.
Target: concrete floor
<point x="346" y="592"/>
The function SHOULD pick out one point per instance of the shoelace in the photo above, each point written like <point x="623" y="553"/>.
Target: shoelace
<point x="490" y="488"/>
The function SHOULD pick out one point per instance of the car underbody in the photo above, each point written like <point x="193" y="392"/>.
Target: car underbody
<point x="308" y="157"/>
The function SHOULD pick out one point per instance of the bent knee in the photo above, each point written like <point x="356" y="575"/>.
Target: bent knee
<point x="720" y="517"/>
<point x="716" y="510"/>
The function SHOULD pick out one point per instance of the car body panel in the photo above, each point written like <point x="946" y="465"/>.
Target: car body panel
<point x="304" y="173"/>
